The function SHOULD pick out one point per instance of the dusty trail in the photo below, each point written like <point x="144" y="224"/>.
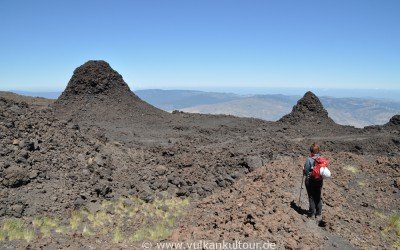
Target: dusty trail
<point x="338" y="137"/>
<point x="331" y="241"/>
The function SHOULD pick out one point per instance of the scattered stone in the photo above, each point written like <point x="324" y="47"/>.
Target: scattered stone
<point x="33" y="174"/>
<point x="397" y="182"/>
<point x="161" y="170"/>
<point x="17" y="210"/>
<point x="253" y="162"/>
<point x="79" y="202"/>
<point x="90" y="161"/>
<point x="15" y="176"/>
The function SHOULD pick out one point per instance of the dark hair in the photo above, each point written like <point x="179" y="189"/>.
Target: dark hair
<point x="314" y="149"/>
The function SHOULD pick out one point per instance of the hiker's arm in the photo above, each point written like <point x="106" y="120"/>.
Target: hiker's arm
<point x="307" y="166"/>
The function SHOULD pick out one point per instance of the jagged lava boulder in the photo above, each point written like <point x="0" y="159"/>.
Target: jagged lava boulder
<point x="98" y="93"/>
<point x="392" y="126"/>
<point x="394" y="121"/>
<point x="308" y="109"/>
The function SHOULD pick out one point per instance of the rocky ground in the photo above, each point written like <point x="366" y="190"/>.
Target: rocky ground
<point x="99" y="142"/>
<point x="264" y="205"/>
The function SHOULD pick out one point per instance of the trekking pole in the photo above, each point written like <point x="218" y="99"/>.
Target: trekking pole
<point x="301" y="187"/>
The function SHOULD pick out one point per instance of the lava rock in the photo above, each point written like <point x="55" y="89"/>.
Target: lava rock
<point x="15" y="176"/>
<point x="17" y="210"/>
<point x="397" y="182"/>
<point x="253" y="162"/>
<point x="308" y="109"/>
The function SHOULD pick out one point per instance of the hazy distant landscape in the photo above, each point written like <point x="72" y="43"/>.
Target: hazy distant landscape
<point x="358" y="112"/>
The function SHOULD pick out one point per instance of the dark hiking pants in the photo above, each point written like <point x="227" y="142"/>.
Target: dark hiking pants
<point x="314" y="188"/>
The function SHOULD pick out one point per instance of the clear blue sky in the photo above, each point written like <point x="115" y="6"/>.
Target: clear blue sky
<point x="203" y="44"/>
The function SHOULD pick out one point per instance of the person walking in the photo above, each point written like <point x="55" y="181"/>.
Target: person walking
<point x="314" y="166"/>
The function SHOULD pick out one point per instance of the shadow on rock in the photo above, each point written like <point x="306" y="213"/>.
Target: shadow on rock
<point x="297" y="208"/>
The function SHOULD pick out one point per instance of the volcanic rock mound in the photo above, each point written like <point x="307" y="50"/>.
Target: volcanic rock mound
<point x="394" y="121"/>
<point x="44" y="162"/>
<point x="308" y="109"/>
<point x="97" y="92"/>
<point x="94" y="77"/>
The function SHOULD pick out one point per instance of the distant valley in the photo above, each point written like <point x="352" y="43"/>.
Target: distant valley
<point x="358" y="112"/>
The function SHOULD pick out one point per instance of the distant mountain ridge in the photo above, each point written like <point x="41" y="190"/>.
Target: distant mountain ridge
<point x="358" y="112"/>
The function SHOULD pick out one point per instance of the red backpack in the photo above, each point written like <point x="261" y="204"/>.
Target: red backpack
<point x="319" y="162"/>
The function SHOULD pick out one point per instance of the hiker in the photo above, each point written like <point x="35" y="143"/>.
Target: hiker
<point x="314" y="181"/>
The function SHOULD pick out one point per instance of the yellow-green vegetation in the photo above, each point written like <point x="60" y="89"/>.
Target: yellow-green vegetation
<point x="86" y="231"/>
<point x="351" y="168"/>
<point x="380" y="215"/>
<point x="166" y="212"/>
<point x="117" y="235"/>
<point x="15" y="229"/>
<point x="361" y="183"/>
<point x="3" y="235"/>
<point x="76" y="220"/>
<point x="125" y="219"/>
<point x="394" y="223"/>
<point x="394" y="226"/>
<point x="46" y="225"/>
<point x="99" y="219"/>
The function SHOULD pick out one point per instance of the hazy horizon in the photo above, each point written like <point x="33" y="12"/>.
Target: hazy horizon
<point x="337" y="93"/>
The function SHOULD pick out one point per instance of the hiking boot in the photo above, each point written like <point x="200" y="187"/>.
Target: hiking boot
<point x="320" y="221"/>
